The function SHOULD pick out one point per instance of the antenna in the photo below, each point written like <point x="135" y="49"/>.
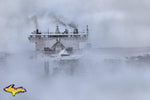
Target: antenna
<point x="35" y="21"/>
<point x="36" y="25"/>
<point x="87" y="29"/>
<point x="57" y="30"/>
<point x="48" y="30"/>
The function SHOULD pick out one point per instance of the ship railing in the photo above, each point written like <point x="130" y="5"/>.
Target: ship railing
<point x="58" y="35"/>
<point x="61" y="33"/>
<point x="65" y="36"/>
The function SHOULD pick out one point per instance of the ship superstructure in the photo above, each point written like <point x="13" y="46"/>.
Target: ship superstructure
<point x="53" y="43"/>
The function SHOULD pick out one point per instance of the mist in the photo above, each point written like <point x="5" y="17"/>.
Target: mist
<point x="112" y="23"/>
<point x="118" y="29"/>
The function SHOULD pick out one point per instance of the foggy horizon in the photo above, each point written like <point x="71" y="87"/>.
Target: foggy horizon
<point x="115" y="67"/>
<point x="112" y="23"/>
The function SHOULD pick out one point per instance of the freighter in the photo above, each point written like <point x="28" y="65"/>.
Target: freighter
<point x="58" y="45"/>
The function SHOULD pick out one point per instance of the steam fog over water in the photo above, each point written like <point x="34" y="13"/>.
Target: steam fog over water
<point x="115" y="68"/>
<point x="95" y="77"/>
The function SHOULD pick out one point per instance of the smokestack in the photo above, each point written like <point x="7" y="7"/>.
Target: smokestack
<point x="87" y="29"/>
<point x="37" y="31"/>
<point x="66" y="31"/>
<point x="57" y="30"/>
<point x="75" y="31"/>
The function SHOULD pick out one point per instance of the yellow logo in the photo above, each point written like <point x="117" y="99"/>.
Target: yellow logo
<point x="13" y="90"/>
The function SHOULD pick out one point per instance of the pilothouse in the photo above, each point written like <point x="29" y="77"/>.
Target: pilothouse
<point x="54" y="44"/>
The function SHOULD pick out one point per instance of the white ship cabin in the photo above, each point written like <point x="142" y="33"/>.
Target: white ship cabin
<point x="56" y="41"/>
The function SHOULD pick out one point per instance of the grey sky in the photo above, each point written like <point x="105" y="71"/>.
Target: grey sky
<point x="113" y="23"/>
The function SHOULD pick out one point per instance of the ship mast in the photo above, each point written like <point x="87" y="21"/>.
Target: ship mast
<point x="57" y="30"/>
